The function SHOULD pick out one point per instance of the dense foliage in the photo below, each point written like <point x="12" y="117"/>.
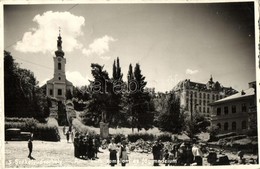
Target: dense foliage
<point x="171" y="119"/>
<point x="23" y="96"/>
<point x="42" y="131"/>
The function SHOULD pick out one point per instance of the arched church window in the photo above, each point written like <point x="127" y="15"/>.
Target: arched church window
<point x="59" y="78"/>
<point x="59" y="66"/>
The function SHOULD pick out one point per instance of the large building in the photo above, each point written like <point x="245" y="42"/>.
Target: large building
<point x="59" y="85"/>
<point x="236" y="113"/>
<point x="196" y="97"/>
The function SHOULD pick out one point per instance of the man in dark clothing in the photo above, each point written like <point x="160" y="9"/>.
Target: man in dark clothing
<point x="156" y="154"/>
<point x="30" y="147"/>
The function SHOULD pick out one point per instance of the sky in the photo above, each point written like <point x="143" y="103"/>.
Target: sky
<point x="171" y="42"/>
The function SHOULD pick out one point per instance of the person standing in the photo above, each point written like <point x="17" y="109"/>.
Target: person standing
<point x="64" y="130"/>
<point x="123" y="157"/>
<point x="112" y="152"/>
<point x="156" y="154"/>
<point x="197" y="153"/>
<point x="72" y="136"/>
<point x="30" y="147"/>
<point x="68" y="136"/>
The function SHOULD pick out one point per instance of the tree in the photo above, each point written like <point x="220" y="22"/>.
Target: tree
<point x="101" y="93"/>
<point x="23" y="96"/>
<point x="171" y="119"/>
<point x="139" y="109"/>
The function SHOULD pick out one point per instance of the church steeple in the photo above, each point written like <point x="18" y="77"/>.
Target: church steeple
<point x="59" y="52"/>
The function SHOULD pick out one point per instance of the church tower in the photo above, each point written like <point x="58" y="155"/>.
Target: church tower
<point x="58" y="86"/>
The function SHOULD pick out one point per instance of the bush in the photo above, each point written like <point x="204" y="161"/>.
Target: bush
<point x="165" y="137"/>
<point x="145" y="136"/>
<point x="79" y="127"/>
<point x="42" y="131"/>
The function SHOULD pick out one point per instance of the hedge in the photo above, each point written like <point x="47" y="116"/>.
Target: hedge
<point x="81" y="128"/>
<point x="145" y="136"/>
<point x="42" y="131"/>
<point x="165" y="137"/>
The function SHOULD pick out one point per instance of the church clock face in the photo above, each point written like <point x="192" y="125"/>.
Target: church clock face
<point x="59" y="59"/>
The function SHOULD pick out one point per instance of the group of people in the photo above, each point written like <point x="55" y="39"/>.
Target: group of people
<point x="86" y="146"/>
<point x="122" y="152"/>
<point x="186" y="153"/>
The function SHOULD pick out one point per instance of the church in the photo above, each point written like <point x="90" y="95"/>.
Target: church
<point x="58" y="86"/>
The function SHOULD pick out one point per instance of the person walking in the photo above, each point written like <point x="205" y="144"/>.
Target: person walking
<point x="30" y="147"/>
<point x="112" y="152"/>
<point x="123" y="157"/>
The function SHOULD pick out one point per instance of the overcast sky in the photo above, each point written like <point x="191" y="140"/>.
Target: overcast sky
<point x="171" y="42"/>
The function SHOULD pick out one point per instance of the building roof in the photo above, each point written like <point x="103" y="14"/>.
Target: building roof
<point x="209" y="86"/>
<point x="242" y="94"/>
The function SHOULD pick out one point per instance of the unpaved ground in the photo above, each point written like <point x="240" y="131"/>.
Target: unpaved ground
<point x="60" y="154"/>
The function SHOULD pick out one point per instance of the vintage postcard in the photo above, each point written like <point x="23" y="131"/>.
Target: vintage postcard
<point x="135" y="84"/>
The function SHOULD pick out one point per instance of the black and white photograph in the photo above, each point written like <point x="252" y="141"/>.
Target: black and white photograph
<point x="141" y="84"/>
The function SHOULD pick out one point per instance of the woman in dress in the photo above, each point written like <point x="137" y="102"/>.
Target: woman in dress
<point x="112" y="152"/>
<point x="123" y="157"/>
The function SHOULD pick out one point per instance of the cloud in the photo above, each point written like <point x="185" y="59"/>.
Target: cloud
<point x="77" y="79"/>
<point x="99" y="46"/>
<point x="105" y="57"/>
<point x="191" y="72"/>
<point x="43" y="38"/>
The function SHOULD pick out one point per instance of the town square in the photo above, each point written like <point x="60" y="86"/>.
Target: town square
<point x="130" y="84"/>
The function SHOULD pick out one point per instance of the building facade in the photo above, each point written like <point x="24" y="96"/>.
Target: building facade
<point x="196" y="97"/>
<point x="236" y="113"/>
<point x="58" y="86"/>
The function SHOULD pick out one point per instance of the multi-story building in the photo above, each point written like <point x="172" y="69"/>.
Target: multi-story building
<point x="59" y="85"/>
<point x="196" y="97"/>
<point x="236" y="113"/>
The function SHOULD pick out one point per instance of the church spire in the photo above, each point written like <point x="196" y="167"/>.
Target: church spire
<point x="59" y="52"/>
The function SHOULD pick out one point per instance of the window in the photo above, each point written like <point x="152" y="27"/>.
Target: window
<point x="213" y="97"/>
<point x="219" y="125"/>
<point x="51" y="92"/>
<point x="208" y="96"/>
<point x="187" y="102"/>
<point x="187" y="93"/>
<point x="226" y="126"/>
<point x="234" y="109"/>
<point x="244" y="124"/>
<point x="204" y="95"/>
<point x="204" y="102"/>
<point x="195" y="101"/>
<point x="218" y="111"/>
<point x="59" y="78"/>
<point x="217" y="97"/>
<point x="208" y="110"/>
<point x="59" y="92"/>
<point x="59" y="66"/>
<point x="226" y="110"/>
<point x="200" y="102"/>
<point x="204" y="110"/>
<point x="200" y="95"/>
<point x="220" y="97"/>
<point x="243" y="107"/>
<point x="234" y="125"/>
<point x="199" y="109"/>
<point x="195" y="94"/>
